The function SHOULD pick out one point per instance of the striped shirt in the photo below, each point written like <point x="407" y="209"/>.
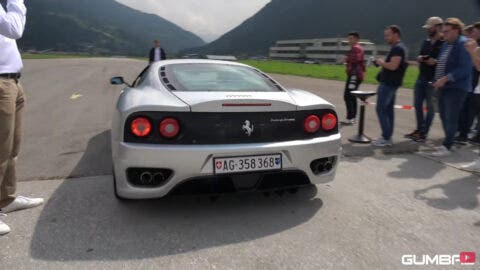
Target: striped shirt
<point x="442" y="62"/>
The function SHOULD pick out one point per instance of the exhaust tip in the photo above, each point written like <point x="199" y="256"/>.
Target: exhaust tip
<point x="148" y="177"/>
<point x="323" y="165"/>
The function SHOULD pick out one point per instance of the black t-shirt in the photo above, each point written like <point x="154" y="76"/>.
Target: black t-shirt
<point x="427" y="73"/>
<point x="394" y="77"/>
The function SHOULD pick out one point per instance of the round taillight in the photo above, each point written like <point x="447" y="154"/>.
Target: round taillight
<point x="311" y="124"/>
<point x="169" y="128"/>
<point x="329" y="122"/>
<point x="141" y="127"/>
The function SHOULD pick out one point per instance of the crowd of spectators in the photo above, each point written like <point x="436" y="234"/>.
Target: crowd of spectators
<point x="449" y="71"/>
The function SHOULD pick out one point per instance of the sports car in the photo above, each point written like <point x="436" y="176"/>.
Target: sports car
<point x="201" y="126"/>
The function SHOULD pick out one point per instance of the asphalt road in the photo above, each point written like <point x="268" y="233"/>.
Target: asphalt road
<point x="384" y="203"/>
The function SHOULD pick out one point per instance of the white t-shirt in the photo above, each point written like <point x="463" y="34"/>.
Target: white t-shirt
<point x="12" y="25"/>
<point x="157" y="55"/>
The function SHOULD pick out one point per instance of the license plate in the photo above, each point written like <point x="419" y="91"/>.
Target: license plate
<point x="247" y="164"/>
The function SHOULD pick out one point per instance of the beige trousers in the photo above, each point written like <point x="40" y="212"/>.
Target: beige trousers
<point x="12" y="101"/>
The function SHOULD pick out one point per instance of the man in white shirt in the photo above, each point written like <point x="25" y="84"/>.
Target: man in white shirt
<point x="12" y="100"/>
<point x="157" y="53"/>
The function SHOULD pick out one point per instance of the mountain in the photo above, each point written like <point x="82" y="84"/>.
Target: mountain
<point x="299" y="19"/>
<point x="99" y="26"/>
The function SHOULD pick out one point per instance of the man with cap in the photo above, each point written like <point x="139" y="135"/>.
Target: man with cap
<point x="12" y="100"/>
<point x="427" y="59"/>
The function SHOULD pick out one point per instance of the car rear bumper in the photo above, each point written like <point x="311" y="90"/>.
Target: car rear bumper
<point x="196" y="161"/>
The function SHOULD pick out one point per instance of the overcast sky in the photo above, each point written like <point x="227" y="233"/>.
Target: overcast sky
<point x="209" y="19"/>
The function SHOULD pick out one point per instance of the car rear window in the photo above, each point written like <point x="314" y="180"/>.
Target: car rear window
<point x="216" y="77"/>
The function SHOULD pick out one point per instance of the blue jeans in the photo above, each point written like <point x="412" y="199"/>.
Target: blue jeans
<point x="423" y="92"/>
<point x="470" y="110"/>
<point x="451" y="101"/>
<point x="385" y="109"/>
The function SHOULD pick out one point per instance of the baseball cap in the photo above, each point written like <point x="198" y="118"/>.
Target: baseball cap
<point x="432" y="22"/>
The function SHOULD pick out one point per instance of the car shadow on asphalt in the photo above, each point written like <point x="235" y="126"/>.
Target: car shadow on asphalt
<point x="413" y="166"/>
<point x="357" y="152"/>
<point x="414" y="155"/>
<point x="460" y="193"/>
<point x="417" y="167"/>
<point x="97" y="158"/>
<point x="83" y="220"/>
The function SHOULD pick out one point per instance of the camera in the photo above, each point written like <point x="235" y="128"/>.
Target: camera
<point x="374" y="61"/>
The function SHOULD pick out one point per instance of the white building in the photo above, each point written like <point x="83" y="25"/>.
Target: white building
<point x="321" y="50"/>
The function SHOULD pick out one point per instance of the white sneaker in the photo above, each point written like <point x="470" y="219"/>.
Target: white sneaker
<point x="441" y="151"/>
<point x="348" y="122"/>
<point x="21" y="203"/>
<point x="472" y="167"/>
<point x="381" y="142"/>
<point x="4" y="229"/>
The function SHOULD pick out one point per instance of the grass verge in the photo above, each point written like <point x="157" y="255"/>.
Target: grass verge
<point x="54" y="56"/>
<point x="330" y="72"/>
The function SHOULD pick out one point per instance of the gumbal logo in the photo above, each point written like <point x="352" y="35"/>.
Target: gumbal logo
<point x="464" y="258"/>
<point x="467" y="258"/>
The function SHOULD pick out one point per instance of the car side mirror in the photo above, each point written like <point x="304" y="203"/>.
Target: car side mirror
<point x="117" y="81"/>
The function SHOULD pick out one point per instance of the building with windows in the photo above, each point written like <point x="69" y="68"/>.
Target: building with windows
<point x="321" y="50"/>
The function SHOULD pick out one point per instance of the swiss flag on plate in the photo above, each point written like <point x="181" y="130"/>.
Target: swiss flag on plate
<point x="467" y="258"/>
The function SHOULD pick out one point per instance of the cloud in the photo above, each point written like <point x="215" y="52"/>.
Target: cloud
<point x="207" y="18"/>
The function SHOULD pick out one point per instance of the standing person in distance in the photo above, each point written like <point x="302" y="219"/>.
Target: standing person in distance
<point x="471" y="105"/>
<point x="453" y="79"/>
<point x="474" y="51"/>
<point x="423" y="91"/>
<point x="390" y="78"/>
<point x="157" y="53"/>
<point x="355" y="75"/>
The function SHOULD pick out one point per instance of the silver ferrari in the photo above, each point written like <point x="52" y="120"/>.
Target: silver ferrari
<point x="200" y="126"/>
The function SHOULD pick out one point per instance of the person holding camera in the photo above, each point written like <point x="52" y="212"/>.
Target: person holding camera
<point x="390" y="78"/>
<point x="12" y="101"/>
<point x="423" y="91"/>
<point x="355" y="61"/>
<point x="453" y="79"/>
